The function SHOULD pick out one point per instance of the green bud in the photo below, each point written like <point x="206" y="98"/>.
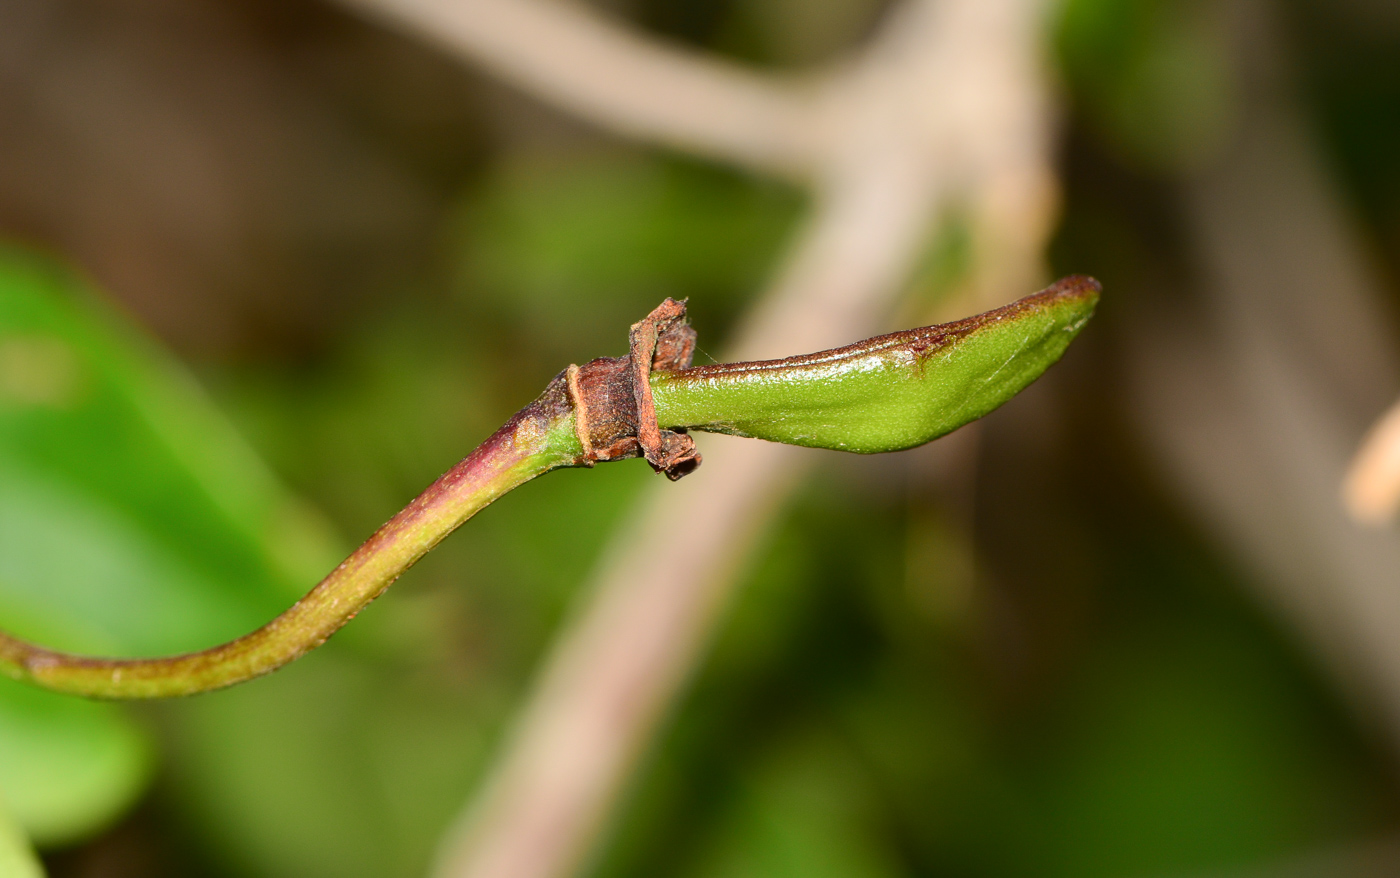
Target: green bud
<point x="887" y="393"/>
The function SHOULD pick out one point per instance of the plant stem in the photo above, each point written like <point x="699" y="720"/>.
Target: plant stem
<point x="885" y="393"/>
<point x="539" y="438"/>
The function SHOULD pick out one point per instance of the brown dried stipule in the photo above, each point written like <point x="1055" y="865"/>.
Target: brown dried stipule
<point x="615" y="417"/>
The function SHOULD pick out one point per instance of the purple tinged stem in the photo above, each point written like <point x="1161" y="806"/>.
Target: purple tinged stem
<point x="537" y="439"/>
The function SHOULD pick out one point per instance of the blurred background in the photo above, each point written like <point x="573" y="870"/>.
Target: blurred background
<point x="269" y="268"/>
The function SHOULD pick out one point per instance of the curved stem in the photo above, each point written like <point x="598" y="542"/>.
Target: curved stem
<point x="539" y="438"/>
<point x="886" y="393"/>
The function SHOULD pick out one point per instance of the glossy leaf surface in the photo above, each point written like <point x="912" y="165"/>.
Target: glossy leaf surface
<point x="886" y="393"/>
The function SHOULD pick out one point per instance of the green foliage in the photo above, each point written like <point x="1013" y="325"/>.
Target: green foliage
<point x="135" y="519"/>
<point x="132" y="521"/>
<point x="17" y="859"/>
<point x="841" y="729"/>
<point x="67" y="766"/>
<point x="334" y="768"/>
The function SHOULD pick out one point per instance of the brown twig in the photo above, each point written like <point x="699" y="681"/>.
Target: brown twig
<point x="565" y="54"/>
<point x="1253" y="400"/>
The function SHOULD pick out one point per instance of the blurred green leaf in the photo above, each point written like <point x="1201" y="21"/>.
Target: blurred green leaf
<point x="132" y="521"/>
<point x="106" y="438"/>
<point x="68" y="767"/>
<point x="832" y="735"/>
<point x="804" y="810"/>
<point x="17" y="859"/>
<point x="1187" y="749"/>
<point x="315" y="772"/>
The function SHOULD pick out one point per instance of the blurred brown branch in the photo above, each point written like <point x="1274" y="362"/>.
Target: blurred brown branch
<point x="566" y="54"/>
<point x="944" y="111"/>
<point x="1254" y="397"/>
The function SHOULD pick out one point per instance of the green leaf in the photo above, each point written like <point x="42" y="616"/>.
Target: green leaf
<point x="132" y="521"/>
<point x="804" y="809"/>
<point x="17" y="858"/>
<point x="68" y="767"/>
<point x="886" y="393"/>
<point x="107" y="441"/>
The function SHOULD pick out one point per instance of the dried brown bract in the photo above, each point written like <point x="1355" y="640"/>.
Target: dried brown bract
<point x="616" y="418"/>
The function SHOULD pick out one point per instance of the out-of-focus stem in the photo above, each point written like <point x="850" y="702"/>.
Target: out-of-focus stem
<point x="539" y="438"/>
<point x="567" y="54"/>
<point x="1251" y="396"/>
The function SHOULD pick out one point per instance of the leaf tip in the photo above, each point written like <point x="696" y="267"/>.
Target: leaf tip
<point x="1074" y="288"/>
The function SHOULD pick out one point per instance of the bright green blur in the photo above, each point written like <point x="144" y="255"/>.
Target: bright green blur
<point x="17" y="859"/>
<point x="883" y="398"/>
